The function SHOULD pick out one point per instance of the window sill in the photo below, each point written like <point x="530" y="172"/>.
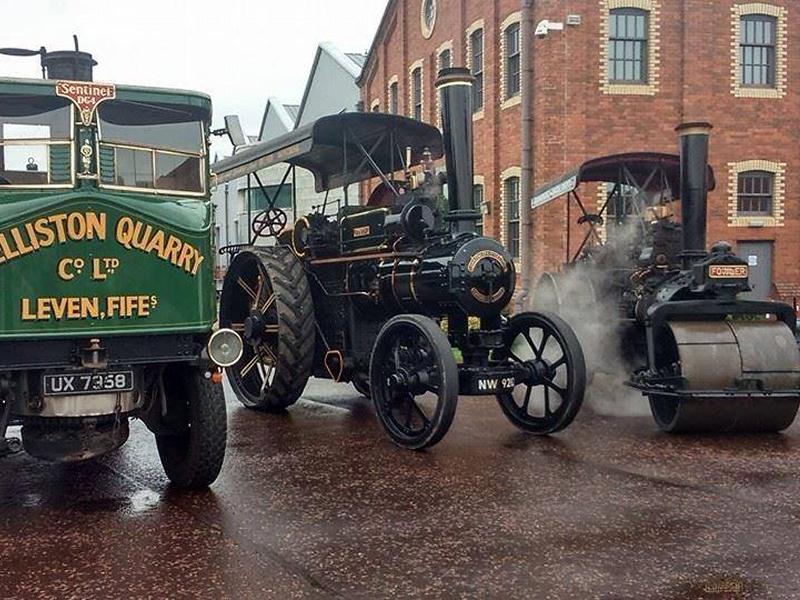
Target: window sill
<point x="758" y="92"/>
<point x="629" y="89"/>
<point x="513" y="101"/>
<point x="477" y="116"/>
<point x="755" y="221"/>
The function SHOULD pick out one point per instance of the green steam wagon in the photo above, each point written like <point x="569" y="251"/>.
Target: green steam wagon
<point x="108" y="300"/>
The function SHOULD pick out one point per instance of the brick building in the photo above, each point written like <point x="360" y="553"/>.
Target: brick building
<point x="607" y="77"/>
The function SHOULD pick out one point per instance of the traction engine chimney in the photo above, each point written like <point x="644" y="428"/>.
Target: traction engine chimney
<point x="455" y="99"/>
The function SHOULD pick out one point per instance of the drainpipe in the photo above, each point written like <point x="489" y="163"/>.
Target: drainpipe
<point x="526" y="159"/>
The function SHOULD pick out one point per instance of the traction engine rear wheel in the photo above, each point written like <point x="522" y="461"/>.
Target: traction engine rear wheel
<point x="361" y="383"/>
<point x="547" y="347"/>
<point x="266" y="299"/>
<point x="414" y="381"/>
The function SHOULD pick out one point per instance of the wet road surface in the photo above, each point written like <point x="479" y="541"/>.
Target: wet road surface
<point x="318" y="503"/>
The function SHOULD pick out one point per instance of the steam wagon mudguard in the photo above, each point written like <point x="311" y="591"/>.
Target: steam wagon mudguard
<point x="106" y="267"/>
<point x="402" y="298"/>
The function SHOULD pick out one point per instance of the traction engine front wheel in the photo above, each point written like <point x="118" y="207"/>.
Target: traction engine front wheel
<point x="414" y="381"/>
<point x="550" y="398"/>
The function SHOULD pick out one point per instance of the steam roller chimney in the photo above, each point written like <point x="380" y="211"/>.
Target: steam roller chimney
<point x="455" y="98"/>
<point x="694" y="189"/>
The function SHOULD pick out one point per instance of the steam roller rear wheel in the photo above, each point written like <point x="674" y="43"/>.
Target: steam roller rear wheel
<point x="266" y="299"/>
<point x="572" y="297"/>
<point x="717" y="356"/>
<point x="547" y="347"/>
<point x="414" y="381"/>
<point x="547" y="294"/>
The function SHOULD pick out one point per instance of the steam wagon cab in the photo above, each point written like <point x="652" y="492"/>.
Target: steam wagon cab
<point x="403" y="298"/>
<point x="106" y="270"/>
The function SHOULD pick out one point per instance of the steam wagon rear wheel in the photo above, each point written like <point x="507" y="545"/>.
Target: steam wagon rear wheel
<point x="549" y="350"/>
<point x="414" y="381"/>
<point x="266" y="299"/>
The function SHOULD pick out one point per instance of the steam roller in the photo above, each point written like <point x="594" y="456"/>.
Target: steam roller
<point x="708" y="359"/>
<point x="724" y="376"/>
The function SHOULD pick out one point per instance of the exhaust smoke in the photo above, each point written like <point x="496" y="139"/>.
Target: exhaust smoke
<point x="583" y="296"/>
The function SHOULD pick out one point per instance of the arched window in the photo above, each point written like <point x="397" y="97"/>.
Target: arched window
<point x="513" y="49"/>
<point x="476" y="60"/>
<point x="511" y="191"/>
<point x="445" y="59"/>
<point x="416" y="93"/>
<point x="477" y="204"/>
<point x="393" y="95"/>
<point x="628" y="33"/>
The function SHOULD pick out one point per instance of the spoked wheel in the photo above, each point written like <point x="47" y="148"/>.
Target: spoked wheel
<point x="414" y="381"/>
<point x="547" y="294"/>
<point x="548" y="349"/>
<point x="266" y="299"/>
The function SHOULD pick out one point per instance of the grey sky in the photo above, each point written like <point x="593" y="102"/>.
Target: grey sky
<point x="238" y="51"/>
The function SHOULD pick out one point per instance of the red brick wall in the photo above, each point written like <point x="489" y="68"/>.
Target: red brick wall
<point x="575" y="120"/>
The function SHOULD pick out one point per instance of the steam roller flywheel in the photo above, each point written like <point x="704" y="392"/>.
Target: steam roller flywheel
<point x="718" y="361"/>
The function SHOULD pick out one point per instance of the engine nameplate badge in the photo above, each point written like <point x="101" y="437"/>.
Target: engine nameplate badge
<point x="728" y="271"/>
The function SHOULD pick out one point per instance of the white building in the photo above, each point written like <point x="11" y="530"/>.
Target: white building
<point x="331" y="88"/>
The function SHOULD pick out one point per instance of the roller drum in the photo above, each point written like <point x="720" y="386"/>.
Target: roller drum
<point x="740" y="376"/>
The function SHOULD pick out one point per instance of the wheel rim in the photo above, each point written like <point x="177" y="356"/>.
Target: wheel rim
<point x="361" y="384"/>
<point x="251" y="311"/>
<point x="409" y="397"/>
<point x="546" y="295"/>
<point x="553" y="392"/>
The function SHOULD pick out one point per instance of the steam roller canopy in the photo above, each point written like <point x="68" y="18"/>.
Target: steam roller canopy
<point x="740" y="376"/>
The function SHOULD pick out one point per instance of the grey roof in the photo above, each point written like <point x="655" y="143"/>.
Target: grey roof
<point x="286" y="113"/>
<point x="292" y="109"/>
<point x="357" y="58"/>
<point x="347" y="61"/>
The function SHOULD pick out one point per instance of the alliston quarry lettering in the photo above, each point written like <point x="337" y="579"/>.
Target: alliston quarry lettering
<point x="133" y="234"/>
<point x="130" y="233"/>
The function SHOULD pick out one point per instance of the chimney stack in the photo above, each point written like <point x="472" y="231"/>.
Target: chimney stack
<point x="455" y="99"/>
<point x="694" y="189"/>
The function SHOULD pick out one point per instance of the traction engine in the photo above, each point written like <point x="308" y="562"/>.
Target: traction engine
<point x="402" y="299"/>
